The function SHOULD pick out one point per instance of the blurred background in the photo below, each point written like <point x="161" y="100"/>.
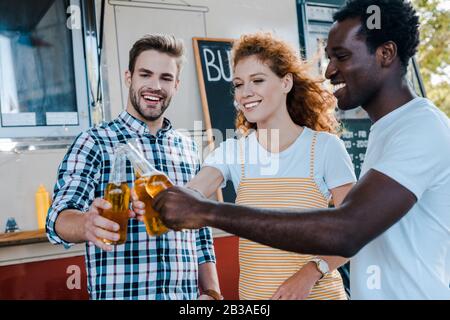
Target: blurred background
<point x="434" y="53"/>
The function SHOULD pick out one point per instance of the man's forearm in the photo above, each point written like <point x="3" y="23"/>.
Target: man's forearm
<point x="305" y="233"/>
<point x="69" y="226"/>
<point x="372" y="206"/>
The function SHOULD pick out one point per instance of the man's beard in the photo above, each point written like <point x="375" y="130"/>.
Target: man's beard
<point x="152" y="114"/>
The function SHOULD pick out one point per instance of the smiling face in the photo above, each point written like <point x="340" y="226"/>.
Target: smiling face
<point x="352" y="69"/>
<point x="152" y="85"/>
<point x="259" y="92"/>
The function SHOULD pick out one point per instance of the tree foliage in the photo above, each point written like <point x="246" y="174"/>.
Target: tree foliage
<point x="434" y="54"/>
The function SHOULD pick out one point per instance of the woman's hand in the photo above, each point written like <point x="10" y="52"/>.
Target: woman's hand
<point x="299" y="285"/>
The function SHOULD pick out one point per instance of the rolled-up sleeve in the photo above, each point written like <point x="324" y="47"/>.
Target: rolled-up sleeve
<point x="205" y="246"/>
<point x="204" y="238"/>
<point x="78" y="175"/>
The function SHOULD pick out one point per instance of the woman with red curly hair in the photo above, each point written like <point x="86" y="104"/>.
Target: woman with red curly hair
<point x="288" y="156"/>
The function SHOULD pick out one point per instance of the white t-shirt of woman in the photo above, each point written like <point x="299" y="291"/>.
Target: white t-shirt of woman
<point x="332" y="164"/>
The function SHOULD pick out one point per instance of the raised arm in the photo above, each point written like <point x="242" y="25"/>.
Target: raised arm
<point x="374" y="204"/>
<point x="76" y="227"/>
<point x="207" y="181"/>
<point x="72" y="217"/>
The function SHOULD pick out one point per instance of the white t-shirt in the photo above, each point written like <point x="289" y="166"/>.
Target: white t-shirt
<point x="332" y="164"/>
<point x="411" y="260"/>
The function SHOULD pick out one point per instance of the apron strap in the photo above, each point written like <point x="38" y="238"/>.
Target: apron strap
<point x="311" y="160"/>
<point x="242" y="159"/>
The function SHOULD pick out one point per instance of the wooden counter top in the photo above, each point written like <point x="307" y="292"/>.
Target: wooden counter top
<point x="32" y="246"/>
<point x="22" y="237"/>
<point x="36" y="236"/>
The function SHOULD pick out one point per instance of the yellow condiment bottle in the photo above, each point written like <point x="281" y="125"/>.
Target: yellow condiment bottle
<point x="42" y="200"/>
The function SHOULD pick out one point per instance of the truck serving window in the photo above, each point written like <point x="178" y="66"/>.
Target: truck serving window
<point x="43" y="91"/>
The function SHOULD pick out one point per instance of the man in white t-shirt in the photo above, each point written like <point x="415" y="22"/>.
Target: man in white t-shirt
<point x="411" y="259"/>
<point x="395" y="222"/>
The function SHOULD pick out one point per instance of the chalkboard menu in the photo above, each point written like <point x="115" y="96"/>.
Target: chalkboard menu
<point x="355" y="137"/>
<point x="214" y="73"/>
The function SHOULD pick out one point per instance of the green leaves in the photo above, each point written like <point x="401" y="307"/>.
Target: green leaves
<point x="434" y="55"/>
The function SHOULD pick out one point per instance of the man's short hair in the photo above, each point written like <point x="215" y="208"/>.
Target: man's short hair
<point x="162" y="43"/>
<point x="399" y="23"/>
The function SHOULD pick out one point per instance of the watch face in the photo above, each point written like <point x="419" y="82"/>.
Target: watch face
<point x="323" y="266"/>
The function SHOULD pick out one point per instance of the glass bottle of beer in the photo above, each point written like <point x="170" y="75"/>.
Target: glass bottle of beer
<point x="117" y="193"/>
<point x="149" y="182"/>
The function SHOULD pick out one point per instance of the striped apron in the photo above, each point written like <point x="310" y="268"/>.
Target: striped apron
<point x="263" y="269"/>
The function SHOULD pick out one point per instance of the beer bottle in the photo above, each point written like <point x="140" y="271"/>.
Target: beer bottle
<point x="149" y="182"/>
<point x="117" y="193"/>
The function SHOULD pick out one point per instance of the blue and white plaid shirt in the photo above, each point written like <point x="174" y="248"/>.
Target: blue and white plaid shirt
<point x="164" y="267"/>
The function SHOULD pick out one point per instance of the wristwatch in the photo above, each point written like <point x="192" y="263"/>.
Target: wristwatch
<point x="322" y="266"/>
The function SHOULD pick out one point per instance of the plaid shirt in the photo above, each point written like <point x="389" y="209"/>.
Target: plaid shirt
<point x="164" y="267"/>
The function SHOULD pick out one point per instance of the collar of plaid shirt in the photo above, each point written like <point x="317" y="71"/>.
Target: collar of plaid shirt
<point x="140" y="127"/>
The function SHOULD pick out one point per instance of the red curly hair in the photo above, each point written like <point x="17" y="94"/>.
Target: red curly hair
<point x="308" y="103"/>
